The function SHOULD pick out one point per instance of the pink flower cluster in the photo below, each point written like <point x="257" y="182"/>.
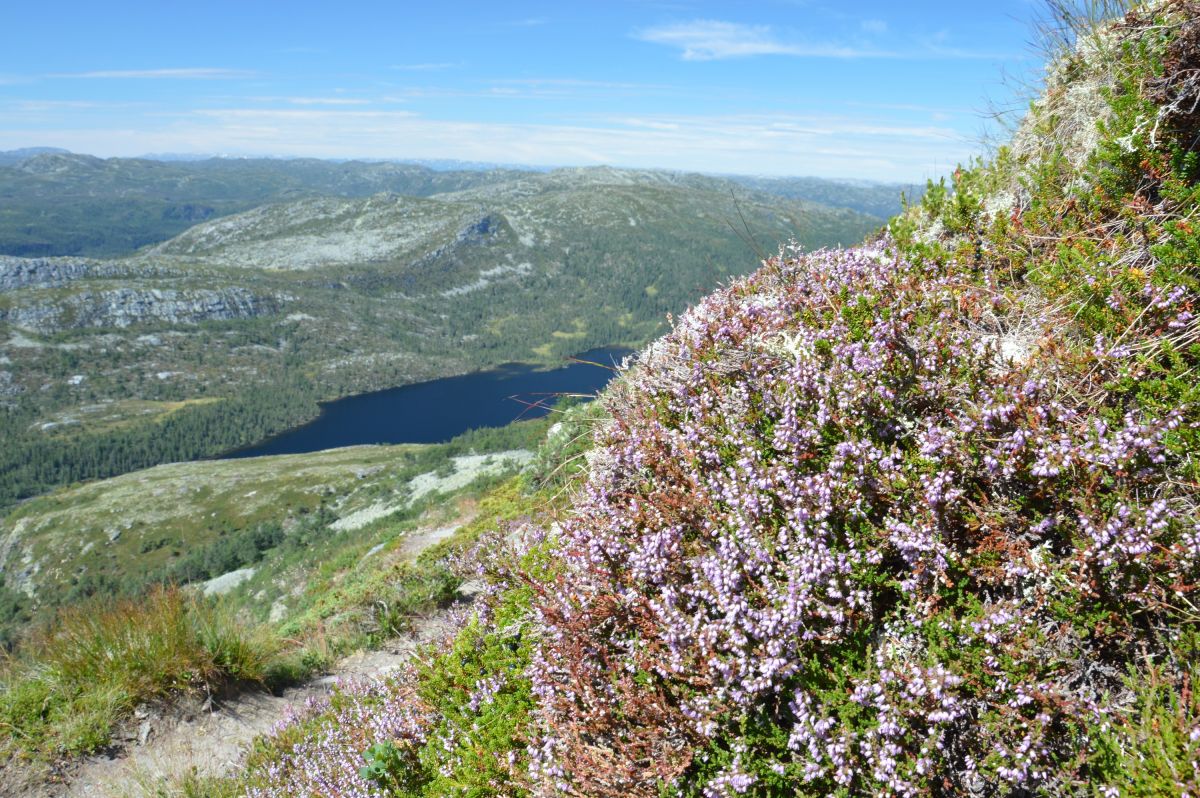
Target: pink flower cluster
<point x="326" y="760"/>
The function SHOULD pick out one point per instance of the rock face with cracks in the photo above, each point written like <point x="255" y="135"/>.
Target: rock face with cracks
<point x="125" y="307"/>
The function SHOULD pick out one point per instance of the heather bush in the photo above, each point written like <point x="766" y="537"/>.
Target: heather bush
<point x="899" y="546"/>
<point x="901" y="520"/>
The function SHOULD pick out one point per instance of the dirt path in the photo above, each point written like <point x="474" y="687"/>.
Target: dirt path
<point x="212" y="740"/>
<point x="162" y="744"/>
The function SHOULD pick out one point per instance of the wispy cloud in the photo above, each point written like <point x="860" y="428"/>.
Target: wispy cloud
<point x="868" y="146"/>
<point x="573" y="87"/>
<point x="298" y="115"/>
<point x="535" y="89"/>
<point x="326" y="101"/>
<point x="33" y="106"/>
<point x="710" y="40"/>
<point x="187" y="73"/>
<point x="939" y="45"/>
<point x="428" y="67"/>
<point x="649" y="124"/>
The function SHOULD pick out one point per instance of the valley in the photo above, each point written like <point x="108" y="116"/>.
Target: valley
<point x="270" y="522"/>
<point x="236" y="328"/>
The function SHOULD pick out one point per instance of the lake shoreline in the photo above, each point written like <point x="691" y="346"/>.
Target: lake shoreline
<point x="435" y="411"/>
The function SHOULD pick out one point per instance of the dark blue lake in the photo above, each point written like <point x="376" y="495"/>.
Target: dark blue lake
<point x="436" y="411"/>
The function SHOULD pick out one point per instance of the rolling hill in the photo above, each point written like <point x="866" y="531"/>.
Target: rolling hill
<point x="58" y="203"/>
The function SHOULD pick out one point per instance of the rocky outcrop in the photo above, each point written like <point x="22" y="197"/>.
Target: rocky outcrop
<point x="17" y="273"/>
<point x="49" y="272"/>
<point x="478" y="231"/>
<point x="8" y="386"/>
<point x="125" y="307"/>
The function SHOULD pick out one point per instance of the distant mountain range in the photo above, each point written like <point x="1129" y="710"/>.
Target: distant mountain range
<point x="54" y="202"/>
<point x="13" y="157"/>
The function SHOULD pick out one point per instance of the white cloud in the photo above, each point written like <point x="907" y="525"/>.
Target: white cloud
<point x="292" y="115"/>
<point x="650" y="124"/>
<point x="710" y="40"/>
<point x="190" y="73"/>
<point x="578" y="83"/>
<point x="327" y="101"/>
<point x="426" y="67"/>
<point x="533" y="89"/>
<point x="868" y="146"/>
<point x="38" y="106"/>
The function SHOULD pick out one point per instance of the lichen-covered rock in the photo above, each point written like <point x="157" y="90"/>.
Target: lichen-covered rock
<point x="45" y="272"/>
<point x="125" y="307"/>
<point x="8" y="386"/>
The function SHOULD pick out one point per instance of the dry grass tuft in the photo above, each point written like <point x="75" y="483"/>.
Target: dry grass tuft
<point x="72" y="686"/>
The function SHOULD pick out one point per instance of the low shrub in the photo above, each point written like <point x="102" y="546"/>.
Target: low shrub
<point x="67" y="690"/>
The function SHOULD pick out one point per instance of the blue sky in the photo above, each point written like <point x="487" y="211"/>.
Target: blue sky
<point x="872" y="90"/>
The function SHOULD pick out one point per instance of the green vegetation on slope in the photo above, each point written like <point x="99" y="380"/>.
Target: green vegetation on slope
<point x="32" y="461"/>
<point x="345" y="560"/>
<point x="289" y="517"/>
<point x="60" y="203"/>
<point x="918" y="518"/>
<point x="468" y="684"/>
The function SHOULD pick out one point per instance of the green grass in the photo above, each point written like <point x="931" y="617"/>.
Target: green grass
<point x="1156" y="749"/>
<point x="447" y="675"/>
<point x="353" y="603"/>
<point x="110" y="536"/>
<point x="111" y="416"/>
<point x="190" y="785"/>
<point x="74" y="685"/>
